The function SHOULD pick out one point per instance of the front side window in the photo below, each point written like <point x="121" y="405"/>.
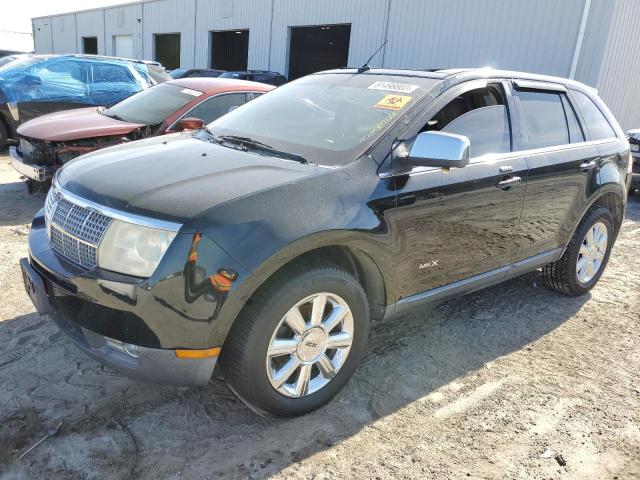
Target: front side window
<point x="542" y="120"/>
<point x="215" y="107"/>
<point x="598" y="126"/>
<point x="328" y="119"/>
<point x="153" y="105"/>
<point x="481" y="116"/>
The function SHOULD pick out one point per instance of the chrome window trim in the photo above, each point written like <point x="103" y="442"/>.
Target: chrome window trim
<point x="117" y="214"/>
<point x="492" y="158"/>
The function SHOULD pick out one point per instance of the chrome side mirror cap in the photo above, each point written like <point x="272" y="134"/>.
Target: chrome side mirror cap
<point x="438" y="149"/>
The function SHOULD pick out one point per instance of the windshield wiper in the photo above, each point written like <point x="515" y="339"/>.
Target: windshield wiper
<point x="245" y="143"/>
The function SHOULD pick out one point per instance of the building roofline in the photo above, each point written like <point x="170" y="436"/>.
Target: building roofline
<point x="87" y="10"/>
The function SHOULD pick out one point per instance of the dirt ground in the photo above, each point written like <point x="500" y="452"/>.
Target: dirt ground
<point x="512" y="382"/>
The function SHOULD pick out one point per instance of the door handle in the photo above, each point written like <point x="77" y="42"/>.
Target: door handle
<point x="586" y="166"/>
<point x="509" y="182"/>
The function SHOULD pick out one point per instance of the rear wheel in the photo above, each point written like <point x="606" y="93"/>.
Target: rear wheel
<point x="586" y="256"/>
<point x="299" y="341"/>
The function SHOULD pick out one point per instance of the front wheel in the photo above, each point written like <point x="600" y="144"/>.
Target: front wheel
<point x="586" y="256"/>
<point x="298" y="342"/>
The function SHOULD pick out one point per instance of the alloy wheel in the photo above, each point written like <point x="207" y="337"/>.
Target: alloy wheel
<point x="592" y="252"/>
<point x="310" y="345"/>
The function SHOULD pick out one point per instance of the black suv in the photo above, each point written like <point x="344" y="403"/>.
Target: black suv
<point x="272" y="238"/>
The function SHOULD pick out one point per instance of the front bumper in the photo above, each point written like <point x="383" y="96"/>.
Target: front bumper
<point x="148" y="364"/>
<point x="39" y="173"/>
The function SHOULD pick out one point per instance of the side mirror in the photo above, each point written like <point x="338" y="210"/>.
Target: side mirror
<point x="189" y="123"/>
<point x="437" y="149"/>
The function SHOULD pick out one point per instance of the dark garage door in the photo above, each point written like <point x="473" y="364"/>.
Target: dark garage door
<point x="168" y="49"/>
<point x="90" y="45"/>
<point x="230" y="49"/>
<point x="318" y="48"/>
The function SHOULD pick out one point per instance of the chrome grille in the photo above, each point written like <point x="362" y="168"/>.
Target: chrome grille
<point x="74" y="231"/>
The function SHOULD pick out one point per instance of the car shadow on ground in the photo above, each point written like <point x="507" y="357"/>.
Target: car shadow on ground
<point x="155" y="432"/>
<point x="408" y="358"/>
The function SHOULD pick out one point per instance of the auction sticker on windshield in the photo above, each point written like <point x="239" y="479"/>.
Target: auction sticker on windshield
<point x="393" y="102"/>
<point x="393" y="87"/>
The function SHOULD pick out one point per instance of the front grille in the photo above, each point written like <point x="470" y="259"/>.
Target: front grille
<point x="74" y="231"/>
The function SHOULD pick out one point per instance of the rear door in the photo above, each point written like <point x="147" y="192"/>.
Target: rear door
<point x="456" y="224"/>
<point x="562" y="164"/>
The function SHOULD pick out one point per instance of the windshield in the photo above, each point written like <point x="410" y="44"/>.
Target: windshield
<point x="153" y="105"/>
<point x="327" y="118"/>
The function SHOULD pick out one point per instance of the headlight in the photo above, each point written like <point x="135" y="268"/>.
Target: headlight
<point x="133" y="249"/>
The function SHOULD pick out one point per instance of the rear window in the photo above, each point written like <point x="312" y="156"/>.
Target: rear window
<point x="596" y="123"/>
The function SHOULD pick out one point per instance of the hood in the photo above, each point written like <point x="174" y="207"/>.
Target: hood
<point x="175" y="177"/>
<point x="75" y="125"/>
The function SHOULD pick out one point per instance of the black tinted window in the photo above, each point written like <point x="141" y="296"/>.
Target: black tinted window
<point x="480" y="115"/>
<point x="215" y="107"/>
<point x="542" y="120"/>
<point x="596" y="123"/>
<point x="575" y="131"/>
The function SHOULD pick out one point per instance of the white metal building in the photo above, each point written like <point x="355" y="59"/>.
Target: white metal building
<point x="594" y="41"/>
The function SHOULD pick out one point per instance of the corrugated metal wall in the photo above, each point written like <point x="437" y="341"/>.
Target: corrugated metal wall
<point x="42" y="39"/>
<point x="618" y="80"/>
<point x="254" y="15"/>
<point x="64" y="33"/>
<point x="91" y="24"/>
<point x="537" y="36"/>
<point x="367" y="19"/>
<point x="170" y="16"/>
<point x="126" y="20"/>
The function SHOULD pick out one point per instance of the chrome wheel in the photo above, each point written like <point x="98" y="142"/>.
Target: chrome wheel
<point x="310" y="345"/>
<point x="592" y="252"/>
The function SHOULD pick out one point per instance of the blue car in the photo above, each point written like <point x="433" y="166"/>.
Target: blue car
<point x="34" y="85"/>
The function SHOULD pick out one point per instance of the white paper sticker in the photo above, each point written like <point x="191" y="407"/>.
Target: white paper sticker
<point x="394" y="87"/>
<point x="188" y="91"/>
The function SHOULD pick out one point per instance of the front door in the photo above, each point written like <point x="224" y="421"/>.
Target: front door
<point x="451" y="225"/>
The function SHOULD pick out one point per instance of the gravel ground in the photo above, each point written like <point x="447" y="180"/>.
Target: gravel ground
<point x="512" y="382"/>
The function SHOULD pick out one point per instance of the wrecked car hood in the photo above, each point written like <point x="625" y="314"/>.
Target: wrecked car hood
<point x="75" y="125"/>
<point x="175" y="177"/>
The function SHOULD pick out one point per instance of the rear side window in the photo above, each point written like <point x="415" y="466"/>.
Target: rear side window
<point x="542" y="120"/>
<point x="596" y="123"/>
<point x="575" y="131"/>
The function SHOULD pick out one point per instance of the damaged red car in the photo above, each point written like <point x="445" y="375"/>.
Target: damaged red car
<point x="48" y="142"/>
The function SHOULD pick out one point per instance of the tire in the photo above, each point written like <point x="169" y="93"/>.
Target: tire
<point x="4" y="134"/>
<point x="564" y="275"/>
<point x="250" y="372"/>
